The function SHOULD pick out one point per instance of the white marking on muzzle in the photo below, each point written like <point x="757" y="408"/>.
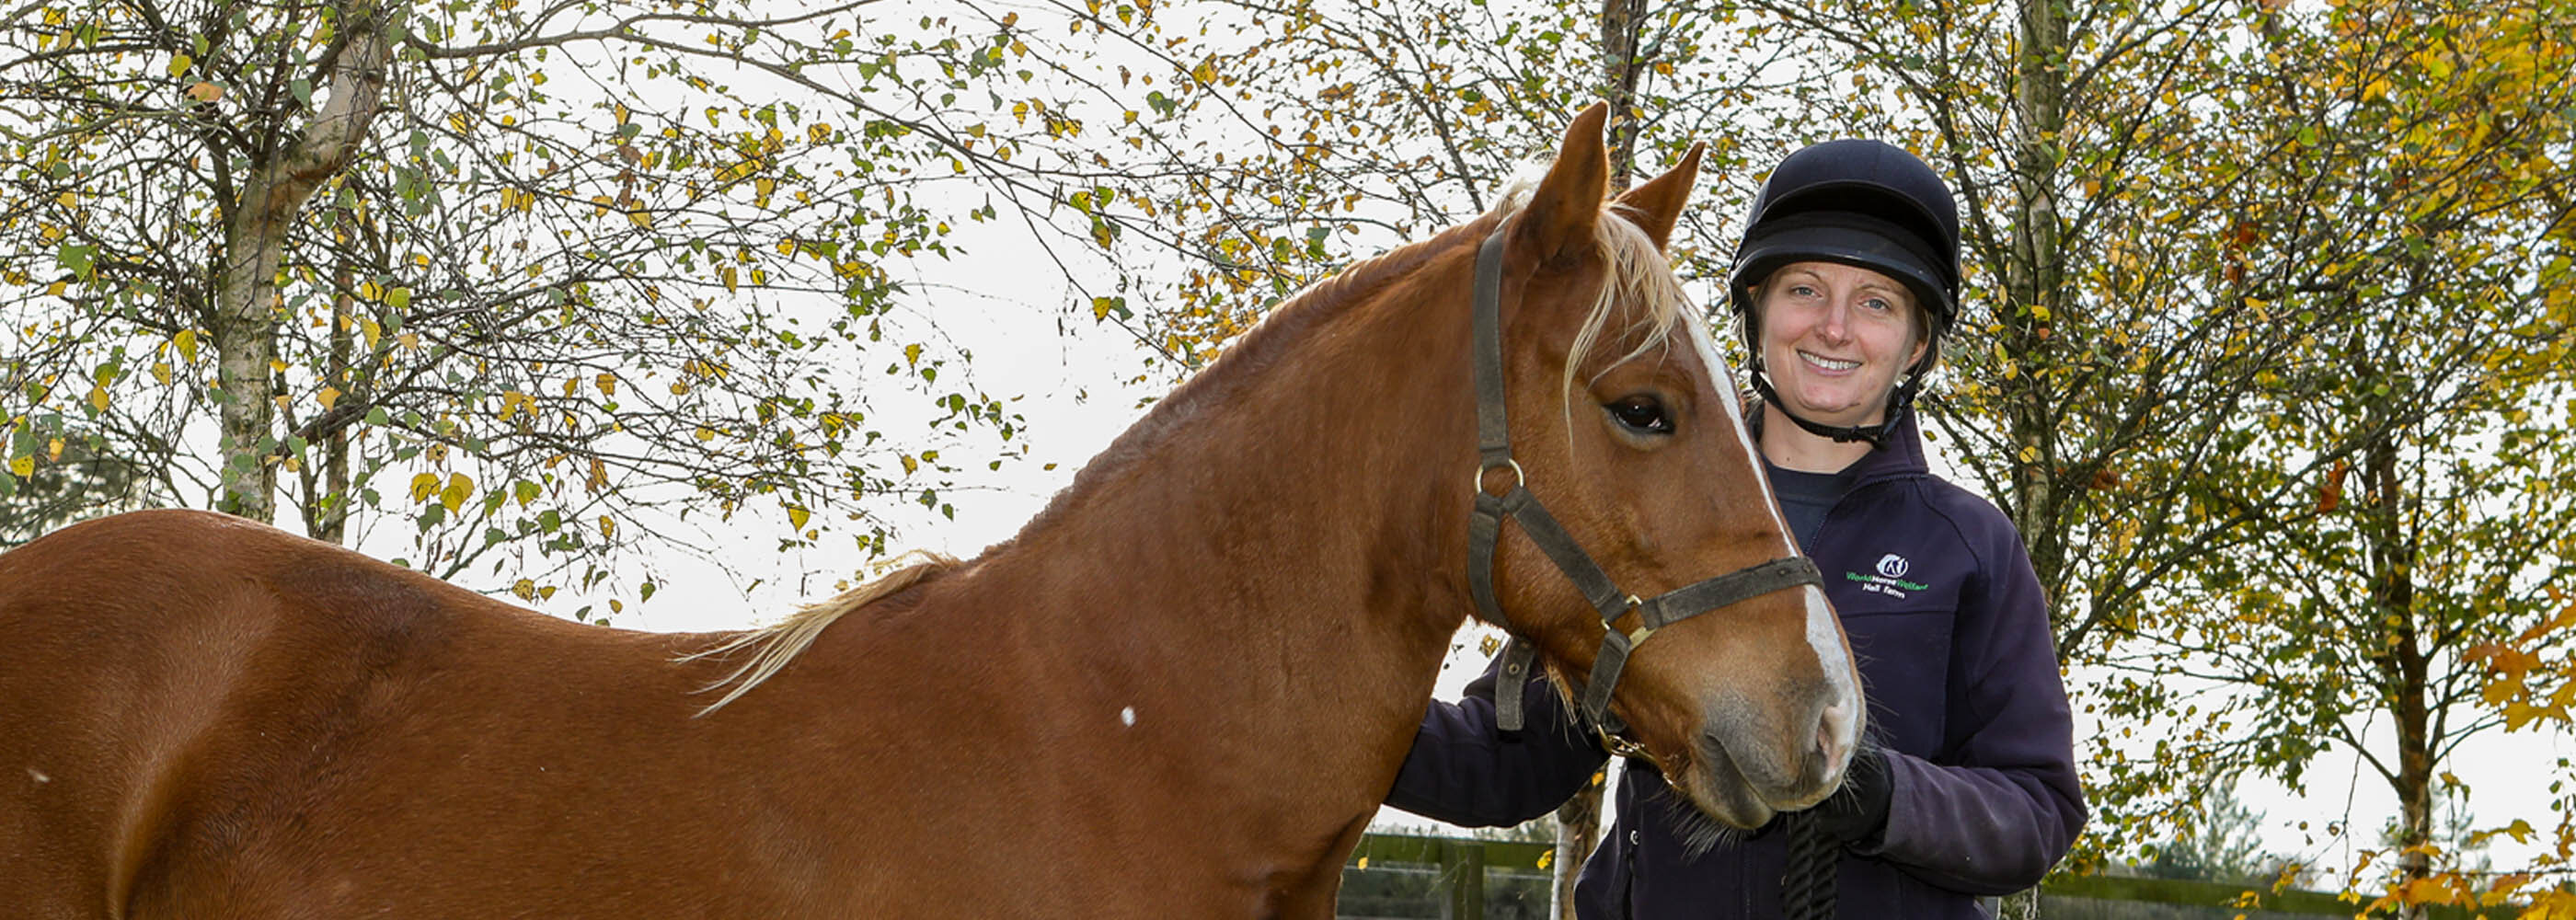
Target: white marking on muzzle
<point x="1825" y="635"/>
<point x="1824" y="632"/>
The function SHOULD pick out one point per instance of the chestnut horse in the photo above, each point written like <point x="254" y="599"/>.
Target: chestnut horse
<point x="1180" y="691"/>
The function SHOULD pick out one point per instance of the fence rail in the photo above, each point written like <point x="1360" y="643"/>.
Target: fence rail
<point x="1458" y="881"/>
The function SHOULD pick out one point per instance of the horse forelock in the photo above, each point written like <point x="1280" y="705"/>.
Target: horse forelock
<point x="1640" y="280"/>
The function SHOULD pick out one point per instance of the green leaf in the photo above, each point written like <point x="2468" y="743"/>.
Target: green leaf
<point x="76" y="259"/>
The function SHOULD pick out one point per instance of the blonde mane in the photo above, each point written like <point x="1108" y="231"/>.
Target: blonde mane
<point x="1638" y="274"/>
<point x="773" y="646"/>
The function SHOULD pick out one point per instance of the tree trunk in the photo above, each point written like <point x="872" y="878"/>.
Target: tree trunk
<point x="2404" y="666"/>
<point x="1623" y="22"/>
<point x="2033" y="279"/>
<point x="1578" y="825"/>
<point x="326" y="507"/>
<point x="247" y="309"/>
<point x="2032" y="285"/>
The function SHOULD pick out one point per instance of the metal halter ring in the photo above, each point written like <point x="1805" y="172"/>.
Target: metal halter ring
<point x="1519" y="479"/>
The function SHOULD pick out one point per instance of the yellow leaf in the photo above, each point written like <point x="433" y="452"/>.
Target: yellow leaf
<point x="607" y="384"/>
<point x="911" y="465"/>
<point x="607" y="527"/>
<point x="179" y="64"/>
<point x="187" y="342"/>
<point x="706" y="434"/>
<point x="459" y="488"/>
<point x="525" y="589"/>
<point x="423" y="486"/>
<point x="23" y="466"/>
<point x="328" y="396"/>
<point x="912" y="354"/>
<point x="98" y="398"/>
<point x="54" y="450"/>
<point x="796" y="517"/>
<point x="1363" y="863"/>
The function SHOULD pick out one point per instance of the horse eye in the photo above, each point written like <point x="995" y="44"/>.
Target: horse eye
<point x="1641" y="414"/>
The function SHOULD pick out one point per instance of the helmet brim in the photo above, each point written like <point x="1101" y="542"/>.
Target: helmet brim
<point x="1846" y="245"/>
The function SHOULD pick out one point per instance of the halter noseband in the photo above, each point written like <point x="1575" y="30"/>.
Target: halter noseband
<point x="1484" y="529"/>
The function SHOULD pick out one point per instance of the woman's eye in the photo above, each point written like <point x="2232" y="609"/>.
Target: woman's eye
<point x="1641" y="414"/>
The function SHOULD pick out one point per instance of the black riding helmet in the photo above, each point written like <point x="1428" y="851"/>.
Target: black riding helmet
<point x="1863" y="203"/>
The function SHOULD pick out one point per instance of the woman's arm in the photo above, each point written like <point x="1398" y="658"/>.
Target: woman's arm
<point x="1465" y="771"/>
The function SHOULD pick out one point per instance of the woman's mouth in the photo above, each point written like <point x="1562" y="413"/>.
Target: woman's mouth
<point x="1830" y="365"/>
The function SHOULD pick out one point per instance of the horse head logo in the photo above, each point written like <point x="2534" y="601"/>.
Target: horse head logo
<point x="1893" y="565"/>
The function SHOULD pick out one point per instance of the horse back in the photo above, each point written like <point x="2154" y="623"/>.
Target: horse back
<point x="195" y="709"/>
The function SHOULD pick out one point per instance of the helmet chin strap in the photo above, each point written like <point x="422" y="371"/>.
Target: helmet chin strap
<point x="1899" y="400"/>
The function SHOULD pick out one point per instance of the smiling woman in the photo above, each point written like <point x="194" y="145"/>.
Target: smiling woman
<point x="1835" y="338"/>
<point x="217" y="719"/>
<point x="1844" y="283"/>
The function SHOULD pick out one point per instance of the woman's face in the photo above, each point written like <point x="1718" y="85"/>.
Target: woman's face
<point x="1835" y="337"/>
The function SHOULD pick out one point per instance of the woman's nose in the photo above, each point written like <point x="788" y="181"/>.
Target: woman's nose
<point x="1835" y="324"/>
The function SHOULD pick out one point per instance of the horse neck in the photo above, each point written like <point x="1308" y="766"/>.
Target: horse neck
<point x="1281" y="543"/>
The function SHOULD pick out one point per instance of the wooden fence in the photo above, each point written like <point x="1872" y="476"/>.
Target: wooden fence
<point x="1410" y="877"/>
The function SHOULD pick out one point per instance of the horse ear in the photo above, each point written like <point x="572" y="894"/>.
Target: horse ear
<point x="1657" y="205"/>
<point x="1561" y="215"/>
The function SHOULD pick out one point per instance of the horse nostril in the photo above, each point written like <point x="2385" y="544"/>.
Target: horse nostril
<point x="1830" y="730"/>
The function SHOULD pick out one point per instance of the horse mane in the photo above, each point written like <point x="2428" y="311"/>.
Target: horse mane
<point x="1639" y="273"/>
<point x="773" y="646"/>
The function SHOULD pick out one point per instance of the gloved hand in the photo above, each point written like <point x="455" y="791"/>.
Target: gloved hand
<point x="1856" y="814"/>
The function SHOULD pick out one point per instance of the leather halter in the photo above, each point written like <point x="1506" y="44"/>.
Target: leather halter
<point x="1494" y="451"/>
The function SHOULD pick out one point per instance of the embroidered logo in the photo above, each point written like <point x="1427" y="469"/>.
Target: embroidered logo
<point x="1890" y="579"/>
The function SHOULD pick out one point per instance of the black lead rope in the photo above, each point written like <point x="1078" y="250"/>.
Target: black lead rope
<point x="1484" y="531"/>
<point x="1807" y="891"/>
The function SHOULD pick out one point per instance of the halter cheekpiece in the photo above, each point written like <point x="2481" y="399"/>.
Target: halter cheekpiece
<point x="1484" y="529"/>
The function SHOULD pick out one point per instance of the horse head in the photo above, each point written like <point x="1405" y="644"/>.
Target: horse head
<point x="1626" y="431"/>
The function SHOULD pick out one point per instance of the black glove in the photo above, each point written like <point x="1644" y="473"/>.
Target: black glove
<point x="1856" y="814"/>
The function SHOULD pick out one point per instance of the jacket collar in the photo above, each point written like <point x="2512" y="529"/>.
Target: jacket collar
<point x="1902" y="455"/>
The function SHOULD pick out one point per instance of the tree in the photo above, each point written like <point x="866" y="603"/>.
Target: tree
<point x="72" y="484"/>
<point x="2360" y="592"/>
<point x="539" y="279"/>
<point x="2224" y="844"/>
<point x="2174" y="211"/>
